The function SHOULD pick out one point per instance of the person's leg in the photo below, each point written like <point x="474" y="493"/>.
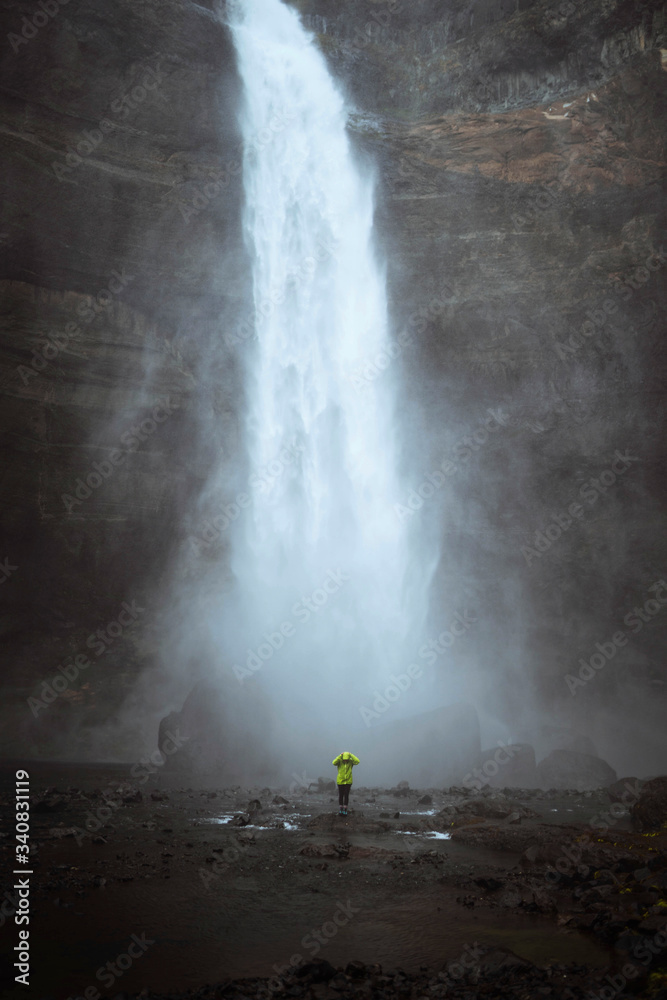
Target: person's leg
<point x="341" y="799"/>
<point x="347" y="797"/>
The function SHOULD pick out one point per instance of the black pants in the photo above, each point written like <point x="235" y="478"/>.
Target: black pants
<point x="343" y="794"/>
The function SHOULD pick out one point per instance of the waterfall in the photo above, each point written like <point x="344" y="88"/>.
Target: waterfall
<point x="320" y="559"/>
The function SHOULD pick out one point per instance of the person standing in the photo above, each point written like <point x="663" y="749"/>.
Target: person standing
<point x="344" y="762"/>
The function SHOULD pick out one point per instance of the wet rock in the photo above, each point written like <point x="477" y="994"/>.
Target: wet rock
<point x="625" y="790"/>
<point x="514" y="818"/>
<point x="489" y="883"/>
<point x="466" y="819"/>
<point x="253" y="806"/>
<point x="278" y="800"/>
<point x="571" y="769"/>
<point x="133" y="798"/>
<point x="355" y="969"/>
<point x="545" y="739"/>
<point x="319" y="971"/>
<point x="650" y="811"/>
<point x="159" y="797"/>
<point x="241" y="819"/>
<point x="51" y="803"/>
<point x="425" y="800"/>
<point x="245" y="837"/>
<point x="320" y="851"/>
<point x="509" y="765"/>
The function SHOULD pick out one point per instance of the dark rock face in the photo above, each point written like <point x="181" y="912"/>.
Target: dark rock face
<point x="517" y="148"/>
<point x="472" y="55"/>
<point x="568" y="769"/>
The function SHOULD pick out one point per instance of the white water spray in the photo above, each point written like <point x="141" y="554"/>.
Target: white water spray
<point x="323" y="608"/>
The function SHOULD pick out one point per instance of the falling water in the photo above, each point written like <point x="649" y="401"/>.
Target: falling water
<point x="321" y="559"/>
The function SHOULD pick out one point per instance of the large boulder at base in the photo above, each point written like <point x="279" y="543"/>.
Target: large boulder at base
<point x="569" y="769"/>
<point x="650" y="812"/>
<point x="214" y="736"/>
<point x="506" y="766"/>
<point x="432" y="750"/>
<point x="545" y="738"/>
<point x="625" y="790"/>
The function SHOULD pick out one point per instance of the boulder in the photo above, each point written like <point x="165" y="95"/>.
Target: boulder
<point x="570" y="769"/>
<point x="506" y="766"/>
<point x="546" y="738"/>
<point x="432" y="749"/>
<point x="212" y="734"/>
<point x="650" y="812"/>
<point x="625" y="790"/>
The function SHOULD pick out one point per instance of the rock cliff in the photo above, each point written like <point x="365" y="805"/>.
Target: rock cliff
<point x="519" y="151"/>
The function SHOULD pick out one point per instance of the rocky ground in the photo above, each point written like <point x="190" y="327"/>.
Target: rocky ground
<point x="230" y="892"/>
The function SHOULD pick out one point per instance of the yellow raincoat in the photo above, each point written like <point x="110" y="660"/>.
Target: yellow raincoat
<point x="345" y="762"/>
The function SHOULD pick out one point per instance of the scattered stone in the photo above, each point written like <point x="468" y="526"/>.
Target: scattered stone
<point x="320" y="851"/>
<point x="246" y="837"/>
<point x="242" y="819"/>
<point x="355" y="969"/>
<point x="132" y="798"/>
<point x="278" y="800"/>
<point x="425" y="800"/>
<point x="254" y="806"/>
<point x="319" y="971"/>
